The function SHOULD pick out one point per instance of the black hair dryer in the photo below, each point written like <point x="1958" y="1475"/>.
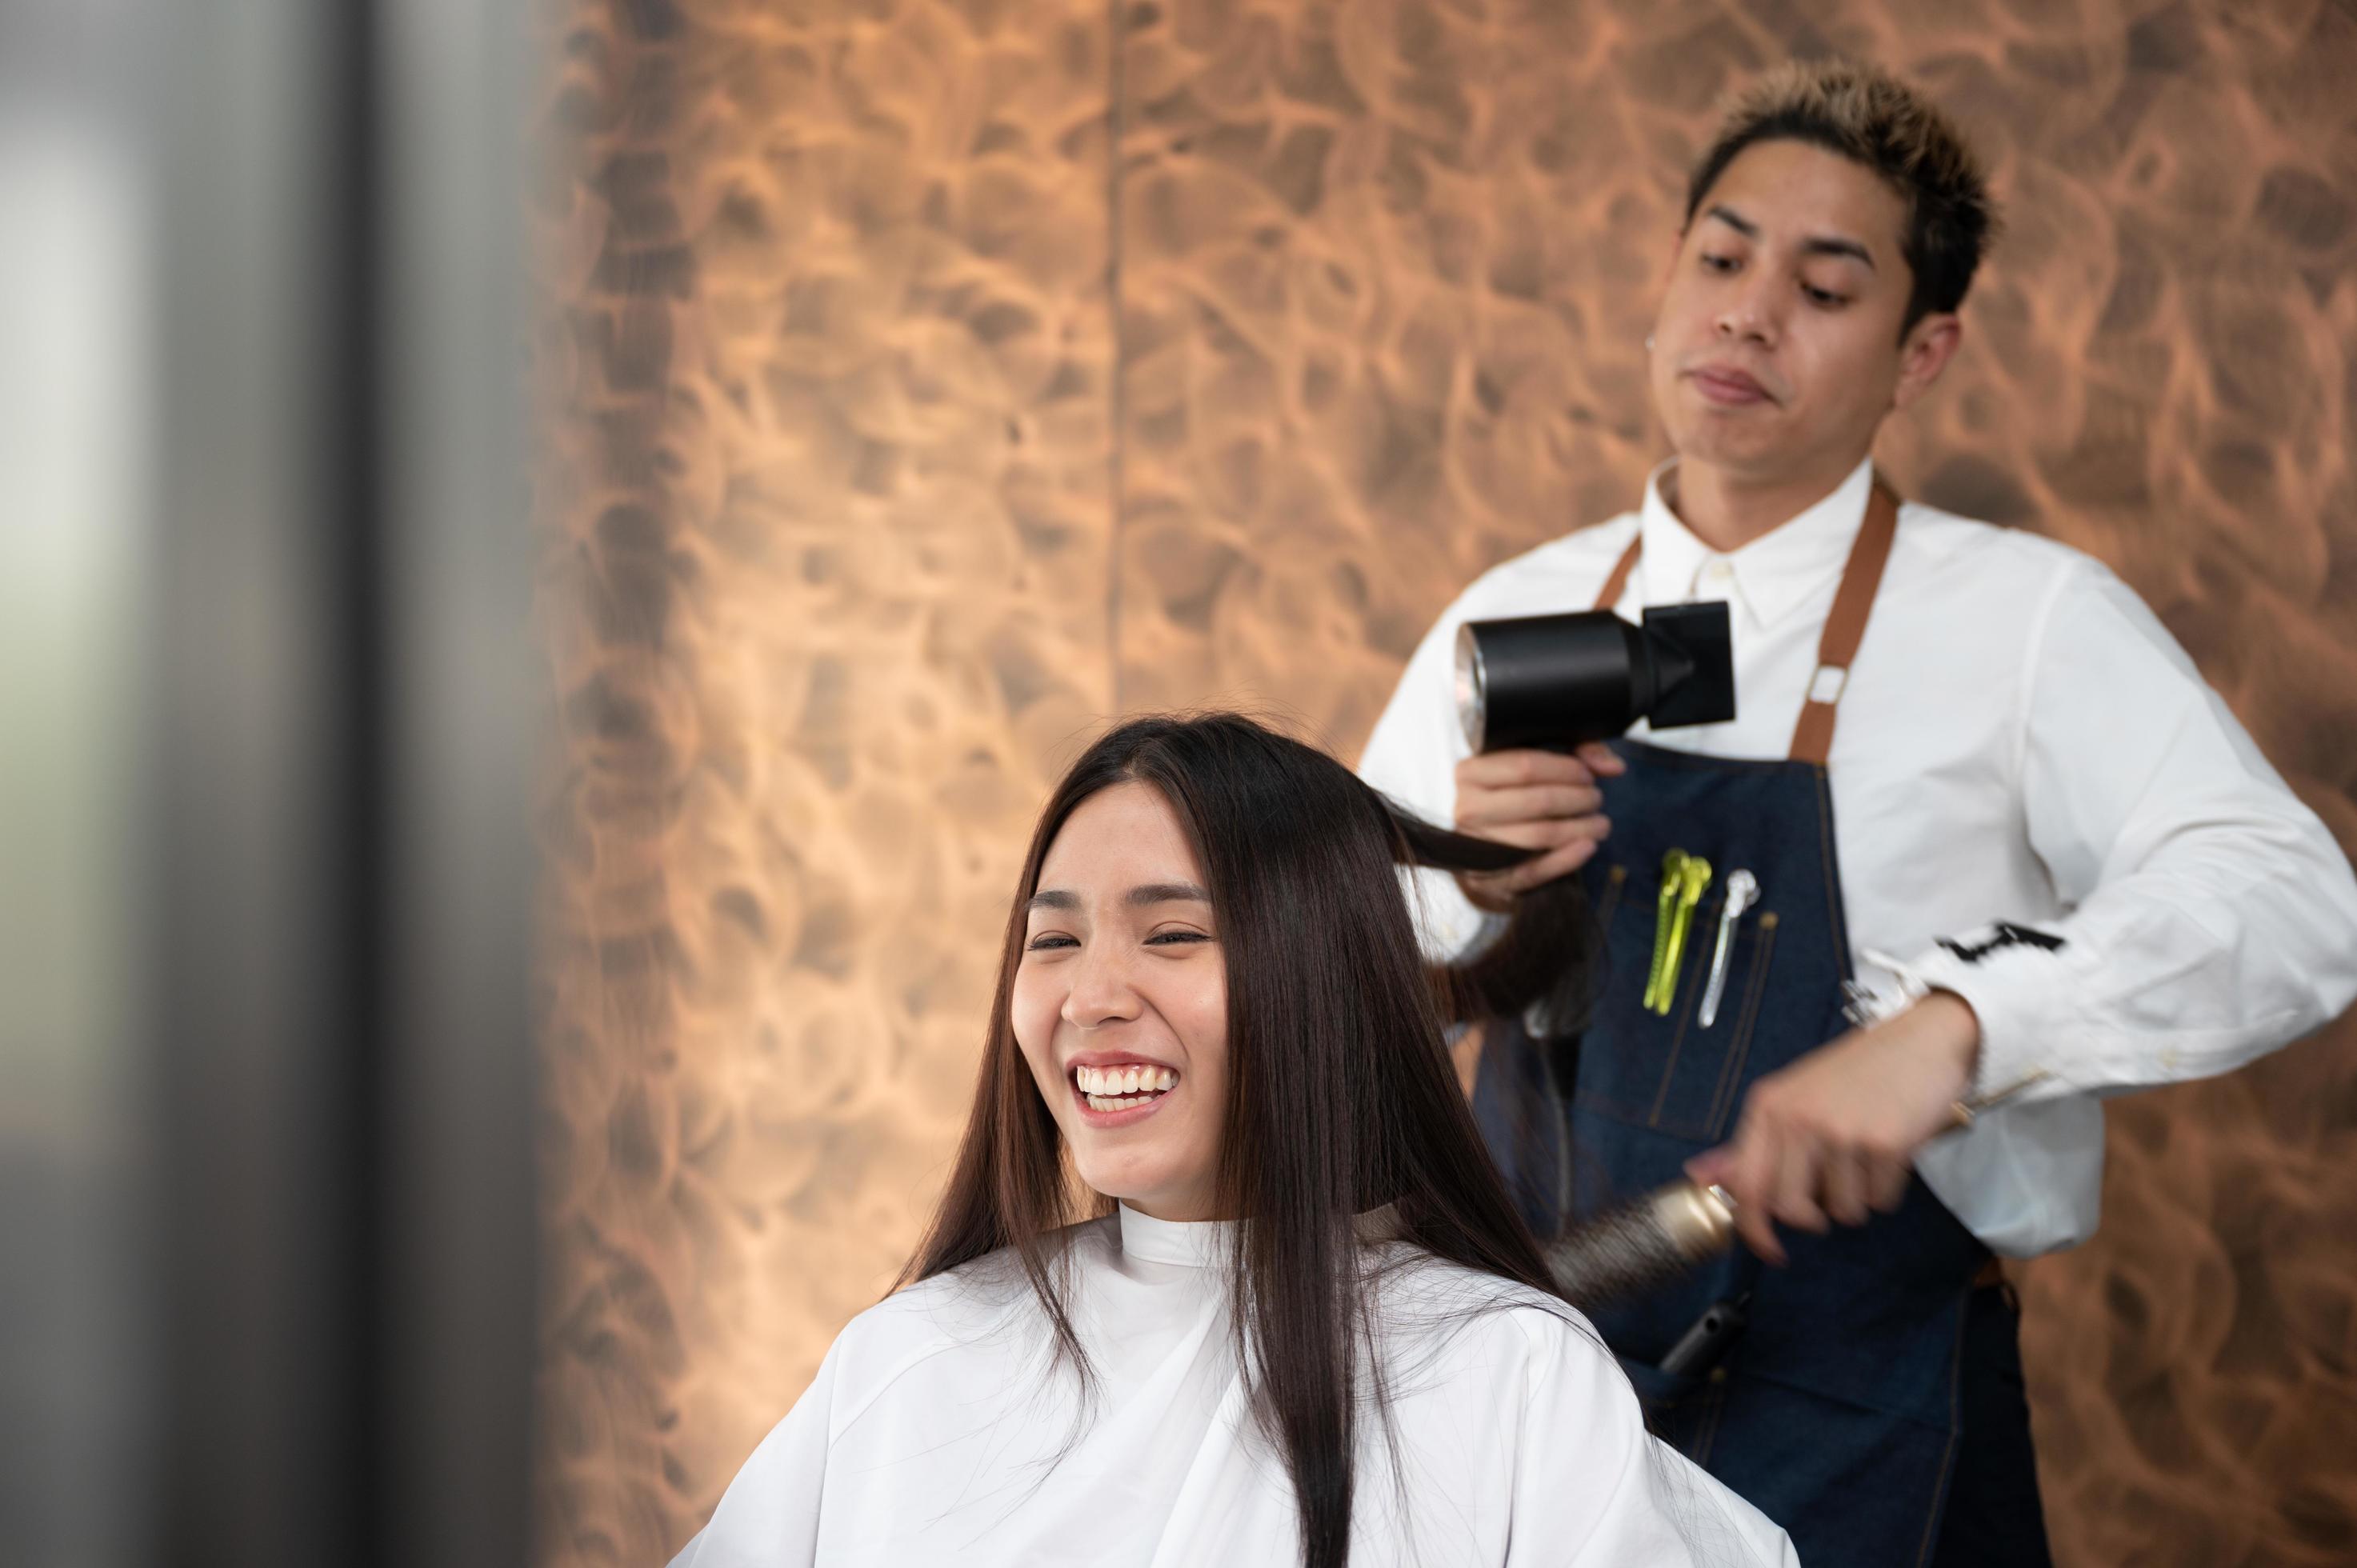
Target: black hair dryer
<point x="1556" y="682"/>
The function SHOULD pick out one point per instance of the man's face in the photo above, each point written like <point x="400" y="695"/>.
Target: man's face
<point x="1777" y="353"/>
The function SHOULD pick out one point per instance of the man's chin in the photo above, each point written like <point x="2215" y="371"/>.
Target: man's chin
<point x="1752" y="449"/>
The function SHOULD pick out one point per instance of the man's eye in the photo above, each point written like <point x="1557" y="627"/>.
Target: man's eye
<point x="1821" y="297"/>
<point x="1718" y="263"/>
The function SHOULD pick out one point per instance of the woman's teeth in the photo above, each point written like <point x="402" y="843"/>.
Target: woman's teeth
<point x="1119" y="1088"/>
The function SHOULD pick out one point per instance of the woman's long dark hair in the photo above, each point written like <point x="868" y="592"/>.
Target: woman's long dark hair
<point x="1340" y="1096"/>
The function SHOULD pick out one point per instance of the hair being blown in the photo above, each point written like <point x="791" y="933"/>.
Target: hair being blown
<point x="1341" y="1099"/>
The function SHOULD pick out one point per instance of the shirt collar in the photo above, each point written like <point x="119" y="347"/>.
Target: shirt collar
<point x="1770" y="577"/>
<point x="1194" y="1244"/>
<point x="1207" y="1243"/>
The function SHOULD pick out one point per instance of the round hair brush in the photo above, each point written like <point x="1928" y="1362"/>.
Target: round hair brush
<point x="1628" y="1250"/>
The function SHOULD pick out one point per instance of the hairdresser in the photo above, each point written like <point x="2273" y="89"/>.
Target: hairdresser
<point x="1978" y="848"/>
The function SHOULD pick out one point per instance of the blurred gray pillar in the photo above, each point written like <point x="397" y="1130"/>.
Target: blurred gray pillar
<point x="455" y="86"/>
<point x="266" y="1227"/>
<point x="77" y="1267"/>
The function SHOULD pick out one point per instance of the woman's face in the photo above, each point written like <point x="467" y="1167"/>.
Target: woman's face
<point x="1121" y="1002"/>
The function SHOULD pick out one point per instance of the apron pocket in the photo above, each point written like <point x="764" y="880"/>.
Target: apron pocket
<point x="1746" y="983"/>
<point x="1665" y="1072"/>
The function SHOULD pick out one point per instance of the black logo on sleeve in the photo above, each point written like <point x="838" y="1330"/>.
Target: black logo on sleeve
<point x="2004" y="934"/>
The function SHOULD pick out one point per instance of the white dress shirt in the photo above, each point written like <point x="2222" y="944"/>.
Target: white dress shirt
<point x="937" y="1432"/>
<point x="2019" y="740"/>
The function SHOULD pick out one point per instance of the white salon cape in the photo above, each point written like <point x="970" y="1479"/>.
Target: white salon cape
<point x="937" y="1432"/>
<point x="2020" y="740"/>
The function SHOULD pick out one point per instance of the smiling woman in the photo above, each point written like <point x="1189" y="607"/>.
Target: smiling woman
<point x="1222" y="1273"/>
<point x="1120" y="1005"/>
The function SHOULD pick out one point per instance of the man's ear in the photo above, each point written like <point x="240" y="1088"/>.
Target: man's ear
<point x="1930" y="344"/>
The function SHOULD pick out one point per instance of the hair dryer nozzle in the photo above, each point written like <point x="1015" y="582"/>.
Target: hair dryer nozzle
<point x="1555" y="681"/>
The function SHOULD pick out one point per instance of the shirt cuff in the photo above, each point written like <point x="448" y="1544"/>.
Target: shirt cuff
<point x="2020" y="995"/>
<point x="1450" y="927"/>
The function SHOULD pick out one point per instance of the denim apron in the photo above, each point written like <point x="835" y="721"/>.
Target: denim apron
<point x="1837" y="1411"/>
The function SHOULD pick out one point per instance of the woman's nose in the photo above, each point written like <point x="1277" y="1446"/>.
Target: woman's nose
<point x="1101" y="992"/>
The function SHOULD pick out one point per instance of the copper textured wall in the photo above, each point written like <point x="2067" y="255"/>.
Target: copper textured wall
<point x="825" y="509"/>
<point x="928" y="380"/>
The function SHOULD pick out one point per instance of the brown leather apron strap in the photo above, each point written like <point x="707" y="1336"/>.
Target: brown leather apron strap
<point x="1813" y="738"/>
<point x="1619" y="581"/>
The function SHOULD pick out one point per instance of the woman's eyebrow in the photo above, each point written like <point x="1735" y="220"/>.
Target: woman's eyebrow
<point x="1144" y="894"/>
<point x="1167" y="893"/>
